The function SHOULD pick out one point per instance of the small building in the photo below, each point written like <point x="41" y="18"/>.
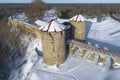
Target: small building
<point x="78" y="23"/>
<point x="53" y="42"/>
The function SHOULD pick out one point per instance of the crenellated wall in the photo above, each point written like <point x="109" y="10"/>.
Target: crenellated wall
<point x="83" y="48"/>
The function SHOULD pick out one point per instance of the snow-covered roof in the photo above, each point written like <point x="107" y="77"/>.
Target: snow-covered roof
<point x="53" y="26"/>
<point x="78" y="18"/>
<point x="39" y="22"/>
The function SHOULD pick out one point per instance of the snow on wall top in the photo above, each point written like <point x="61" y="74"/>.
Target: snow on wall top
<point x="39" y="22"/>
<point x="62" y="20"/>
<point x="92" y="20"/>
<point x="21" y="17"/>
<point x="53" y="26"/>
<point x="78" y="18"/>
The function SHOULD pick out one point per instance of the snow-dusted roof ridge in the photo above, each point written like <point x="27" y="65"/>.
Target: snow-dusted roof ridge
<point x="53" y="26"/>
<point x="78" y="17"/>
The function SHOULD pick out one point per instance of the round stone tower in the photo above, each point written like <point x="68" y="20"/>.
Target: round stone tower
<point x="53" y="43"/>
<point x="79" y="27"/>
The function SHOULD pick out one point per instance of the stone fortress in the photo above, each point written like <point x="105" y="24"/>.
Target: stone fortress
<point x="55" y="43"/>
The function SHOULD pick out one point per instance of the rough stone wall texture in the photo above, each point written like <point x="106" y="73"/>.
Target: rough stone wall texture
<point x="79" y="30"/>
<point x="53" y="47"/>
<point x="26" y="28"/>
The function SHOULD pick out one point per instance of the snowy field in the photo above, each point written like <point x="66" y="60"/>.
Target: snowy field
<point x="74" y="68"/>
<point x="81" y="70"/>
<point x="105" y="34"/>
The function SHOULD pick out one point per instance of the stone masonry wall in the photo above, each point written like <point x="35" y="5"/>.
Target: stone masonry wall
<point x="53" y="47"/>
<point x="27" y="28"/>
<point x="79" y="30"/>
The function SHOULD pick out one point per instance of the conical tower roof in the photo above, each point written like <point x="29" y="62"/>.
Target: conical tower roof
<point x="53" y="26"/>
<point x="78" y="18"/>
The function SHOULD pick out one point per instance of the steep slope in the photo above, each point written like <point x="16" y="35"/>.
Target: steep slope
<point x="15" y="38"/>
<point x="23" y="65"/>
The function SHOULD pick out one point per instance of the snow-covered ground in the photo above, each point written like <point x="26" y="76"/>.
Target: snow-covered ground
<point x="74" y="68"/>
<point x="31" y="66"/>
<point x="105" y="33"/>
<point x="30" y="49"/>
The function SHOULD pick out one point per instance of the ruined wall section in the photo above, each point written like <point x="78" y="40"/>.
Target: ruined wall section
<point x="53" y="44"/>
